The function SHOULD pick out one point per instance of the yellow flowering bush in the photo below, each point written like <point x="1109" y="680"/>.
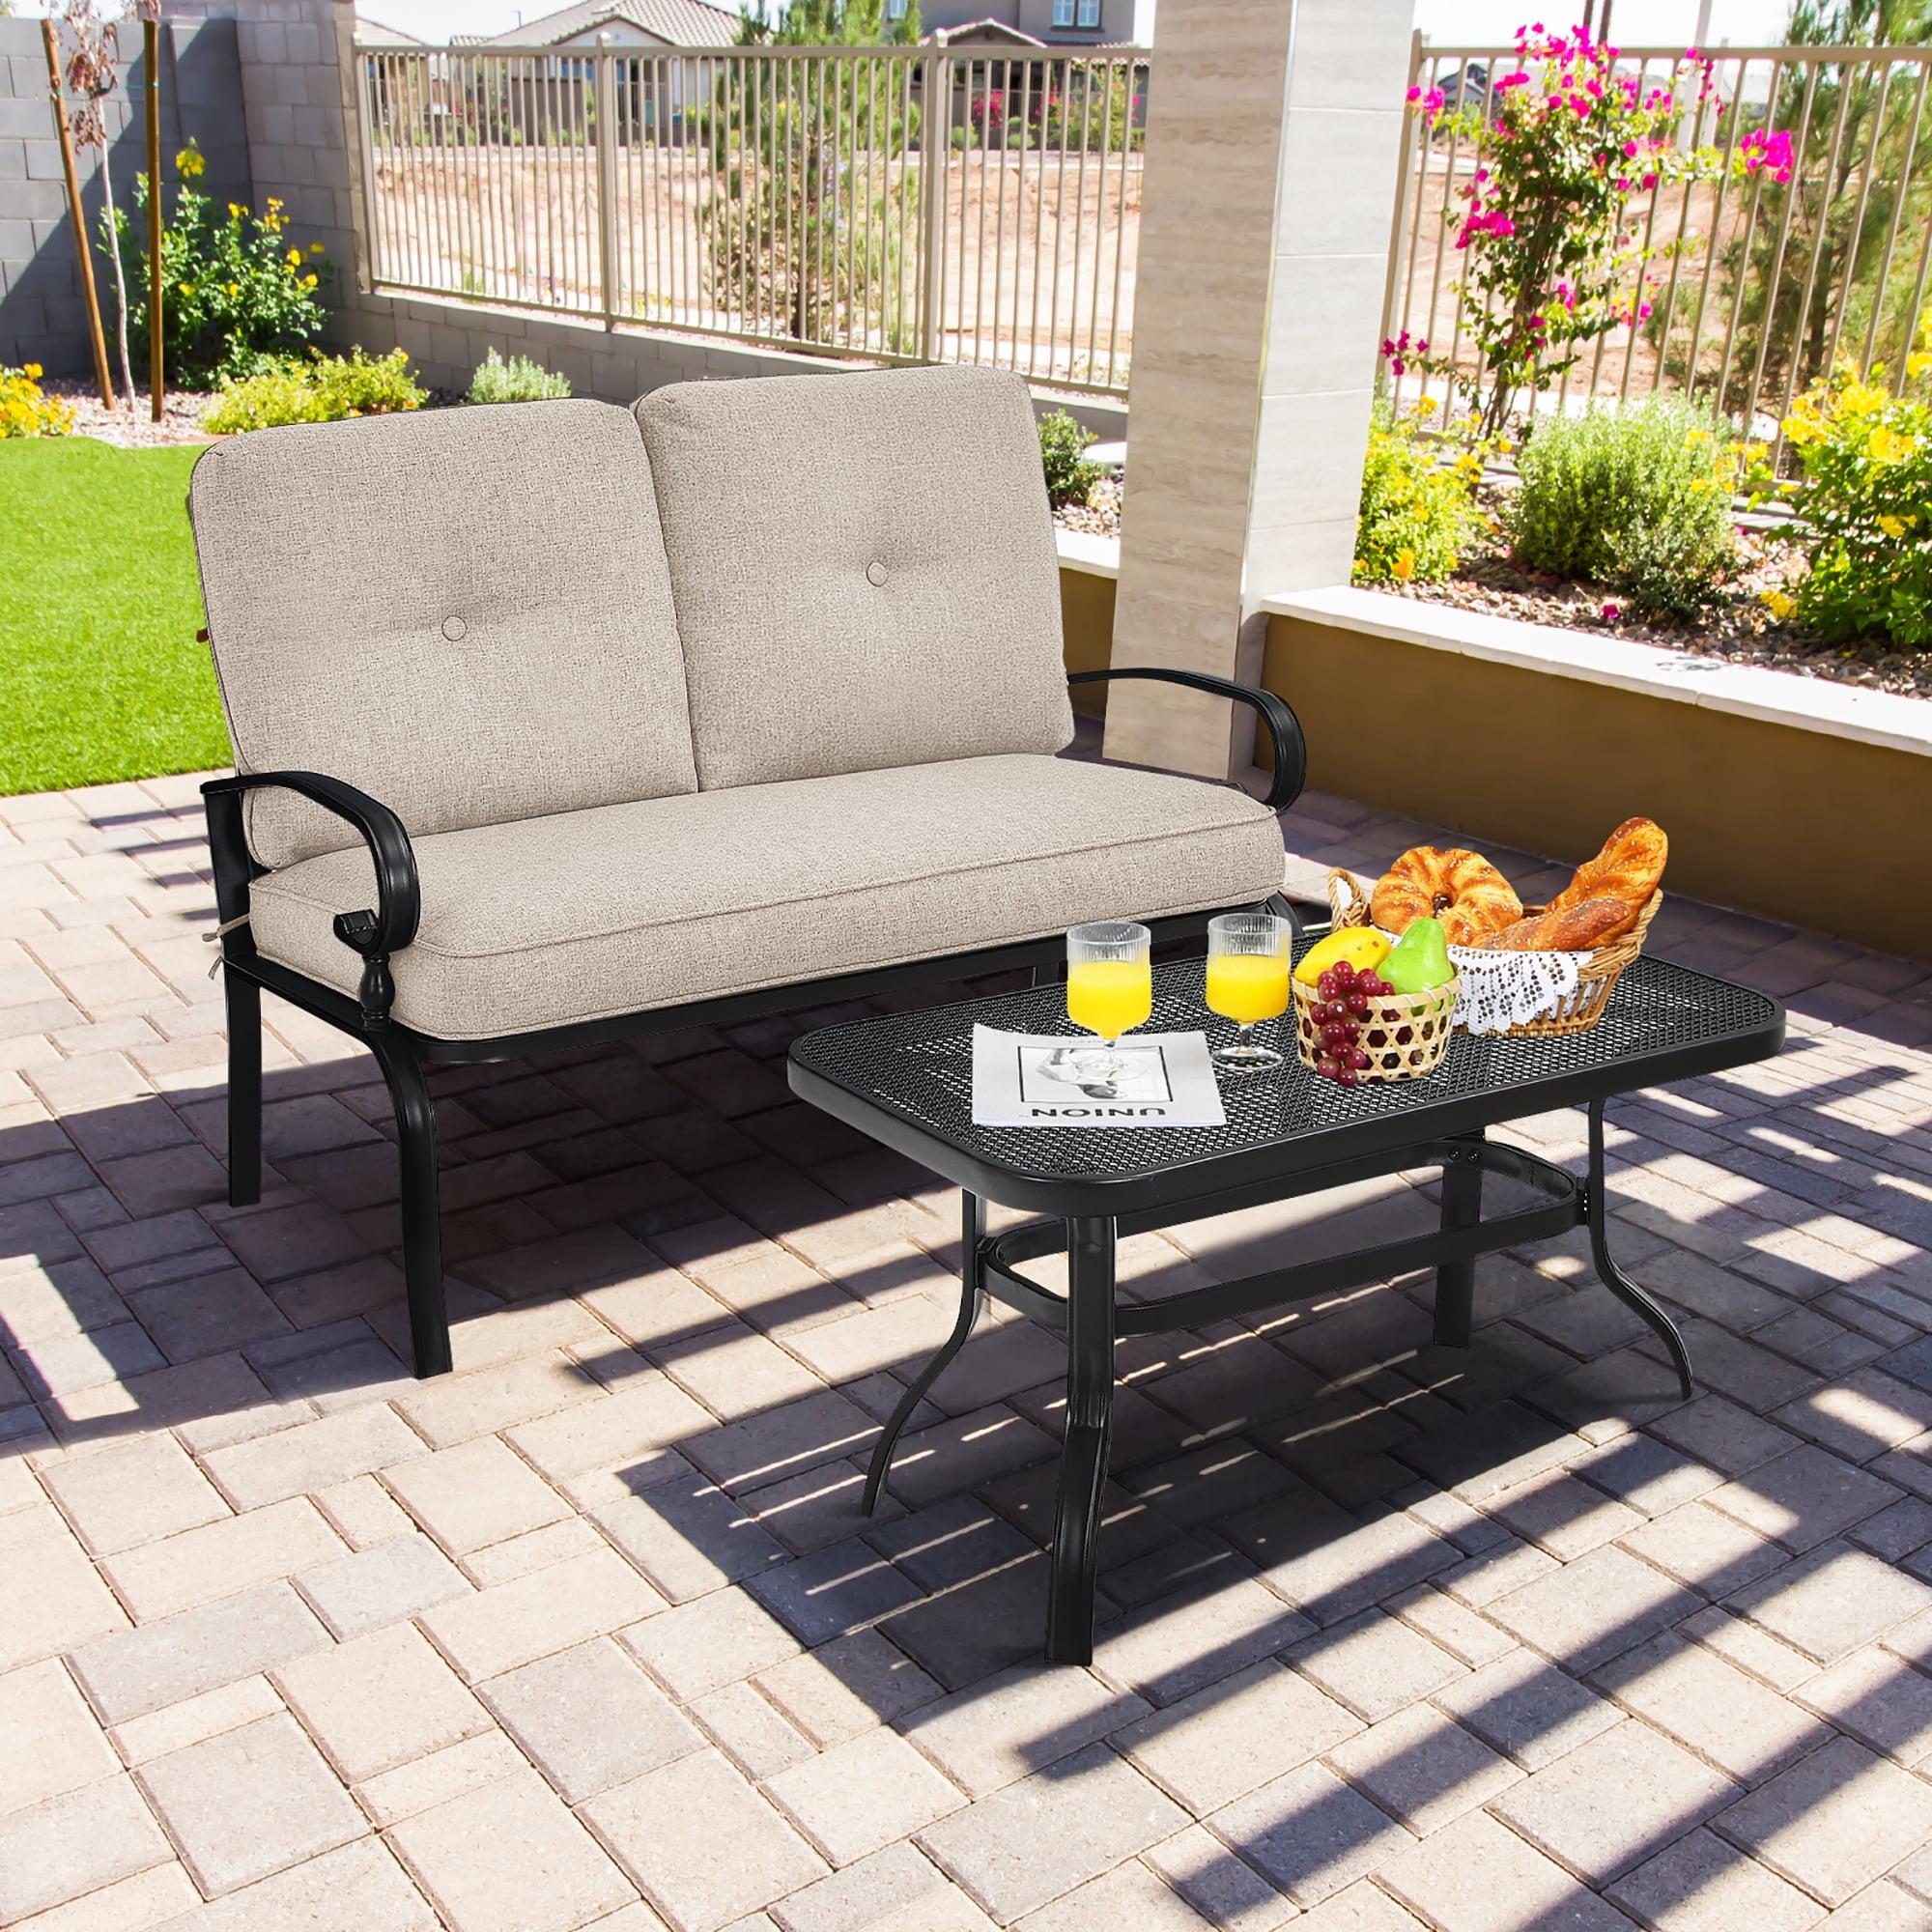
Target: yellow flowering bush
<point x="24" y="411"/>
<point x="1865" y="511"/>
<point x="237" y="292"/>
<point x="1418" y="510"/>
<point x="327" y="388"/>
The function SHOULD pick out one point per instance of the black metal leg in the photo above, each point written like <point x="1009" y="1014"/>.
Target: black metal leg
<point x="422" y="1232"/>
<point x="1612" y="1276"/>
<point x="1083" y="1461"/>
<point x="244" y="1089"/>
<point x="971" y="1298"/>
<point x="1456" y="1281"/>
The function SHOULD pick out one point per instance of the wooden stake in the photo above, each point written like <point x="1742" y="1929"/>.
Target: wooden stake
<point x="80" y="248"/>
<point x="151" y="50"/>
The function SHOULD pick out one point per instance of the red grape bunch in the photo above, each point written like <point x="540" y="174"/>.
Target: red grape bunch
<point x="1339" y="1014"/>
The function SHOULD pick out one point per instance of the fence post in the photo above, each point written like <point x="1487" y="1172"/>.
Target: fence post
<point x="935" y="128"/>
<point x="607" y="179"/>
<point x="1411" y="126"/>
<point x="359" y="99"/>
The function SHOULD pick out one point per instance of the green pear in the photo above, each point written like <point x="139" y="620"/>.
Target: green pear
<point x="1419" y="959"/>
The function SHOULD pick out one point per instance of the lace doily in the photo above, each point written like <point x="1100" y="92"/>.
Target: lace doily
<point x="1505" y="989"/>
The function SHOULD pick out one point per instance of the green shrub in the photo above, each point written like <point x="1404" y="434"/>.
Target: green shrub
<point x="237" y="293"/>
<point x="325" y="389"/>
<point x="1637" y="498"/>
<point x="519" y="380"/>
<point x="1418" y="509"/>
<point x="1063" y="444"/>
<point x="1865" y="511"/>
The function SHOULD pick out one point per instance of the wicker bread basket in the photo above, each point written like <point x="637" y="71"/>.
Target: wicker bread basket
<point x="1597" y="973"/>
<point x="1405" y="1034"/>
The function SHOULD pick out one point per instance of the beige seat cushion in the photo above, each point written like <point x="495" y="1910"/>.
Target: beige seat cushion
<point x="615" y="910"/>
<point x="467" y="613"/>
<point x="864" y="570"/>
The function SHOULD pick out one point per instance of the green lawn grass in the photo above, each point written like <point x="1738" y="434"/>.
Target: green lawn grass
<point x="100" y="676"/>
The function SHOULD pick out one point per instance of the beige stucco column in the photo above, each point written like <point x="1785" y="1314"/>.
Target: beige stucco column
<point x="1271" y="152"/>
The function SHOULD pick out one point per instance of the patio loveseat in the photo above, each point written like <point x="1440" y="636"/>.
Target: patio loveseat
<point x="556" y="723"/>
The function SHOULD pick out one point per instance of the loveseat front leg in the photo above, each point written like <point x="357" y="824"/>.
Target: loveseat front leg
<point x="244" y="1089"/>
<point x="422" y="1230"/>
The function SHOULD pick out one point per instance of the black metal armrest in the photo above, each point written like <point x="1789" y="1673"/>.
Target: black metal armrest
<point x="373" y="934"/>
<point x="1284" y="728"/>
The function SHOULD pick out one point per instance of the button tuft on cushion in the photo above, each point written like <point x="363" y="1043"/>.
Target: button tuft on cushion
<point x="455" y="629"/>
<point x="875" y="572"/>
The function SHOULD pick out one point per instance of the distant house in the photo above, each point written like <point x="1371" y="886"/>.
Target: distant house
<point x="1047" y="23"/>
<point x="629" y="23"/>
<point x="653" y="94"/>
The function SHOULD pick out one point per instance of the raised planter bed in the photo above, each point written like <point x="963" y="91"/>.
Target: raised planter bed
<point x="1795" y="798"/>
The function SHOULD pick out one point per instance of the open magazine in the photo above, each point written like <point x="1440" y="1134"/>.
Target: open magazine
<point x="1143" y="1080"/>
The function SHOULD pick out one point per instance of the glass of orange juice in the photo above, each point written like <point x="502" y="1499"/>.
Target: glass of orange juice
<point x="1109" y="987"/>
<point x="1247" y="981"/>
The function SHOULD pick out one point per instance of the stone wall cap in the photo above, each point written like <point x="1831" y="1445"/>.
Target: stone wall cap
<point x="1749" y="691"/>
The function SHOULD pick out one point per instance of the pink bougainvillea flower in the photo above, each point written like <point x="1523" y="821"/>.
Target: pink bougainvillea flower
<point x="1509" y="80"/>
<point x="1415" y="94"/>
<point x="1611" y="612"/>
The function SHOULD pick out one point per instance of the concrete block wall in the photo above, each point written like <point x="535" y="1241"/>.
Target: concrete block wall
<point x="42" y="316"/>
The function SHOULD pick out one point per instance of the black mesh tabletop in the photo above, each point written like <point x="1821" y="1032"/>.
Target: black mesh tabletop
<point x="907" y="1080"/>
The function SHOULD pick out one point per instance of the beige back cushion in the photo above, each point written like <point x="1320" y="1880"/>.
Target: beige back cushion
<point x="467" y="613"/>
<point x="864" y="570"/>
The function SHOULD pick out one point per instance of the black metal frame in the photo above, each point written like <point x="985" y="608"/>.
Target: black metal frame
<point x="1086" y="1215"/>
<point x="375" y="934"/>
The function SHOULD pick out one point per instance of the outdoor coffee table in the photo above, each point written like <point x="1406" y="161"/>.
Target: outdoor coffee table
<point x="906" y="1080"/>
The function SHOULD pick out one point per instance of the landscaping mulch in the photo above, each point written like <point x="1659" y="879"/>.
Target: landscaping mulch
<point x="179" y="423"/>
<point x="1736" y="627"/>
<point x="1102" y="518"/>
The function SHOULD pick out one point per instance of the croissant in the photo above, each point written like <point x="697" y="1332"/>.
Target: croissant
<point x="1461" y="889"/>
<point x="1571" y="928"/>
<point x="1628" y="869"/>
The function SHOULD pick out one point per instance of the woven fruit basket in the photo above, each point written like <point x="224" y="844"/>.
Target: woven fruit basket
<point x="1402" y="1037"/>
<point x="1576" y="1010"/>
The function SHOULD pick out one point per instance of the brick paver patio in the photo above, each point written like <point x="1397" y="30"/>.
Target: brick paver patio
<point x="591" y="1633"/>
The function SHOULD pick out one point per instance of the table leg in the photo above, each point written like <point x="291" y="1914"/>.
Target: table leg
<point x="1083" y="1461"/>
<point x="1611" y="1275"/>
<point x="1456" y="1281"/>
<point x="971" y="1298"/>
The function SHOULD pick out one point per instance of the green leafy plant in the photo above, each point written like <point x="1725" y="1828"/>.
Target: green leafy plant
<point x="1063" y="445"/>
<point x="236" y="292"/>
<point x="1865" y="511"/>
<point x="1637" y="498"/>
<point x="326" y="390"/>
<point x="24" y="411"/>
<point x="516" y="379"/>
<point x="1418" y="509"/>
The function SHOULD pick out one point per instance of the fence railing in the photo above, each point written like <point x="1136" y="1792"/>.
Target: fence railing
<point x="1762" y="284"/>
<point x="901" y="204"/>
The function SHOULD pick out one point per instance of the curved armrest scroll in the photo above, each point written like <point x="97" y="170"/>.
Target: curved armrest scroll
<point x="373" y="934"/>
<point x="1284" y="728"/>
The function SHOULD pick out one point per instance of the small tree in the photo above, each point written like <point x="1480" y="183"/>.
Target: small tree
<point x="794" y="225"/>
<point x="1842" y="214"/>
<point x="92" y="74"/>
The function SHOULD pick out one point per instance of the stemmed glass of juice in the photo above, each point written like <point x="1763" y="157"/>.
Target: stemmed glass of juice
<point x="1109" y="988"/>
<point x="1247" y="981"/>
